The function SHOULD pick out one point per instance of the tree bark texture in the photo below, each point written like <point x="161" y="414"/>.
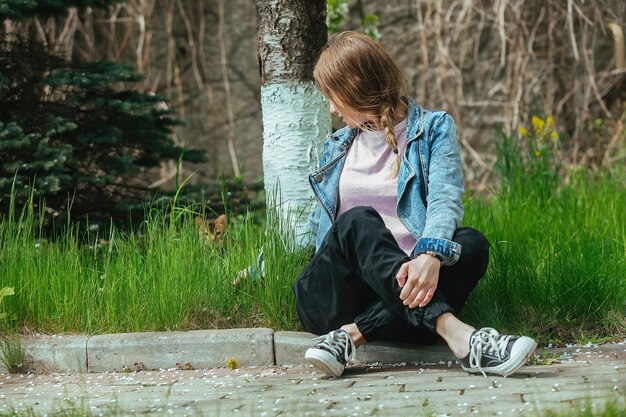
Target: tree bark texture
<point x="291" y="33"/>
<point x="296" y="117"/>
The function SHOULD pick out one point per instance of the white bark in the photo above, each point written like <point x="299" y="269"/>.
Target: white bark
<point x="296" y="120"/>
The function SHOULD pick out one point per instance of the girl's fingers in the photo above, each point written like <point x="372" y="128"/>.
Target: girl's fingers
<point x="410" y="296"/>
<point x="402" y="273"/>
<point x="418" y="299"/>
<point x="427" y="298"/>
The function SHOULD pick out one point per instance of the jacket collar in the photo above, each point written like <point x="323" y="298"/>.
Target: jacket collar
<point x="415" y="120"/>
<point x="344" y="136"/>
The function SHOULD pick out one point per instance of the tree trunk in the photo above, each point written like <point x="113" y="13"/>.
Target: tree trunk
<point x="296" y="117"/>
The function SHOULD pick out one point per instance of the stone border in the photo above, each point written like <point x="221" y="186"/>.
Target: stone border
<point x="289" y="348"/>
<point x="198" y="349"/>
<point x="49" y="354"/>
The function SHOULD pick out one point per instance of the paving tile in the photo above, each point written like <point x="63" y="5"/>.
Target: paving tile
<point x="582" y="380"/>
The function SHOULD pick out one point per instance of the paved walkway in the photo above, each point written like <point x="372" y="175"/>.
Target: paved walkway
<point x="583" y="377"/>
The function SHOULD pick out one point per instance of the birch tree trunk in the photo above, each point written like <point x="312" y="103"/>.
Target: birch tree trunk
<point x="296" y="117"/>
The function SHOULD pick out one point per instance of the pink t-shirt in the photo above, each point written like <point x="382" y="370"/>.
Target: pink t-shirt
<point x="365" y="180"/>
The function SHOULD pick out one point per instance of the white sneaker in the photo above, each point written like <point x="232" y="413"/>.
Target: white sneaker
<point x="331" y="353"/>
<point x="491" y="352"/>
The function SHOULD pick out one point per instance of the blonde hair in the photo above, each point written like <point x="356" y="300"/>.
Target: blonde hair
<point x="356" y="73"/>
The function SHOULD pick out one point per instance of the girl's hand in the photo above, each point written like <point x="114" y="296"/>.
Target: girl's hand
<point x="418" y="279"/>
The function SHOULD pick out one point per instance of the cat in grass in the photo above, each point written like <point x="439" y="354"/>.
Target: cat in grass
<point x="211" y="231"/>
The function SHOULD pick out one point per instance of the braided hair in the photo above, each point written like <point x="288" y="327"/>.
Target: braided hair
<point x="355" y="72"/>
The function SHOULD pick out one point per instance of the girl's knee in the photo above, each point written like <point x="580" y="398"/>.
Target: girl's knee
<point x="474" y="246"/>
<point x="472" y="239"/>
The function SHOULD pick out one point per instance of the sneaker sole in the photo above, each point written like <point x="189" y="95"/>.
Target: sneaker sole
<point x="324" y="362"/>
<point x="523" y="348"/>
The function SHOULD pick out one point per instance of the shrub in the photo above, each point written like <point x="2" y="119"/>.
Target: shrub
<point x="65" y="129"/>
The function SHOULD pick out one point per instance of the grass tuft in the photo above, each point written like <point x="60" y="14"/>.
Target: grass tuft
<point x="12" y="354"/>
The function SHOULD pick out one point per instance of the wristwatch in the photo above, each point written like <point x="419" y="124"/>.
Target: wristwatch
<point x="434" y="254"/>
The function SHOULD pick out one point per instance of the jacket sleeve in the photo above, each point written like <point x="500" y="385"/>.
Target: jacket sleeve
<point x="444" y="210"/>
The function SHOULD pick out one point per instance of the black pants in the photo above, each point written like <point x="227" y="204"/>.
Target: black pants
<point x="351" y="278"/>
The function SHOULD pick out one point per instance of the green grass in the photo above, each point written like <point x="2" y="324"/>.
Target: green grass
<point x="558" y="256"/>
<point x="12" y="354"/>
<point x="160" y="276"/>
<point x="610" y="409"/>
<point x="613" y="407"/>
<point x="557" y="269"/>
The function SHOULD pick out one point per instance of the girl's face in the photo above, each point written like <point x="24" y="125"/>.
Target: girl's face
<point x="350" y="117"/>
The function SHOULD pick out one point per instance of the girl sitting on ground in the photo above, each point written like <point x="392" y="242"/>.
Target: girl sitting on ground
<point x="391" y="261"/>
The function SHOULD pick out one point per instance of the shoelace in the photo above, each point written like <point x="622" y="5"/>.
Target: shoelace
<point x="489" y="340"/>
<point x="335" y="342"/>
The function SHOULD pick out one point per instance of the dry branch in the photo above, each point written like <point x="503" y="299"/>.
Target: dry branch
<point x="489" y="62"/>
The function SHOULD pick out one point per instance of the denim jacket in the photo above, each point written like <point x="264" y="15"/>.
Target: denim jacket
<point x="430" y="182"/>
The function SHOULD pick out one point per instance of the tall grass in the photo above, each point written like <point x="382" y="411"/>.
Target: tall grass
<point x="557" y="269"/>
<point x="558" y="250"/>
<point x="160" y="276"/>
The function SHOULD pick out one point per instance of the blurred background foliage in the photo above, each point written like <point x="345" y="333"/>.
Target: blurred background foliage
<point x="72" y="132"/>
<point x="104" y="97"/>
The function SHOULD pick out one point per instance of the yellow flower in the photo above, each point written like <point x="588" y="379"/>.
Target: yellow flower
<point x="232" y="363"/>
<point x="522" y="131"/>
<point x="537" y="153"/>
<point x="554" y="136"/>
<point x="538" y="124"/>
<point x="550" y="121"/>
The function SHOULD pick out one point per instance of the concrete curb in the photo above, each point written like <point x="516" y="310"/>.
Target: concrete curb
<point x="198" y="349"/>
<point x="48" y="354"/>
<point x="289" y="349"/>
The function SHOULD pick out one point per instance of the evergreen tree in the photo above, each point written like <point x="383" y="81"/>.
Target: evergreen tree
<point x="22" y="9"/>
<point x="66" y="130"/>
